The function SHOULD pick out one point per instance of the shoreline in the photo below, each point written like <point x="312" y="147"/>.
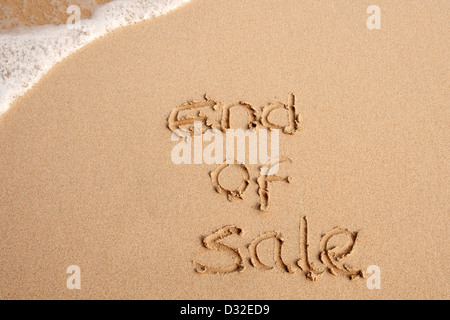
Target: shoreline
<point x="87" y="181"/>
<point x="29" y="53"/>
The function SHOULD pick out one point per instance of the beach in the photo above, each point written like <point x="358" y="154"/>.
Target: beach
<point x="87" y="179"/>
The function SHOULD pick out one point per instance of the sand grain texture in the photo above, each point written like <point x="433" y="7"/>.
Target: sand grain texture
<point x="86" y="177"/>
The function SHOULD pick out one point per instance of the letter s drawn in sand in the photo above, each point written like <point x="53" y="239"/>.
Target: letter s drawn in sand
<point x="211" y="243"/>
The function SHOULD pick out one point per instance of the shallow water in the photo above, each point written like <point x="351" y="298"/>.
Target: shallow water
<point x="35" y="35"/>
<point x="27" y="13"/>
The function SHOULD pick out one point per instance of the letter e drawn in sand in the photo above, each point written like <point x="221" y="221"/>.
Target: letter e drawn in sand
<point x="177" y="123"/>
<point x="330" y="257"/>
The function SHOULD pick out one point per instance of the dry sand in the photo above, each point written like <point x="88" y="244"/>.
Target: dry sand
<point x="86" y="176"/>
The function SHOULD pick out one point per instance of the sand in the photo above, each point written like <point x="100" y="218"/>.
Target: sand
<point x="86" y="176"/>
<point x="20" y="13"/>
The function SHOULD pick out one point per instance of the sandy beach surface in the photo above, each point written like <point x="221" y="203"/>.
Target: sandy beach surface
<point x="86" y="176"/>
<point x="26" y="13"/>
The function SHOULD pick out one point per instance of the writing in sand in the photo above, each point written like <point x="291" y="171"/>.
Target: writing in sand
<point x="330" y="258"/>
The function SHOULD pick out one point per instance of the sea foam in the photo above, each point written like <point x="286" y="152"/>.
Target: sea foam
<point x="27" y="53"/>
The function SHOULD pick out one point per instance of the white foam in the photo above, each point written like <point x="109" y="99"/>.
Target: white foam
<point x="26" y="54"/>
